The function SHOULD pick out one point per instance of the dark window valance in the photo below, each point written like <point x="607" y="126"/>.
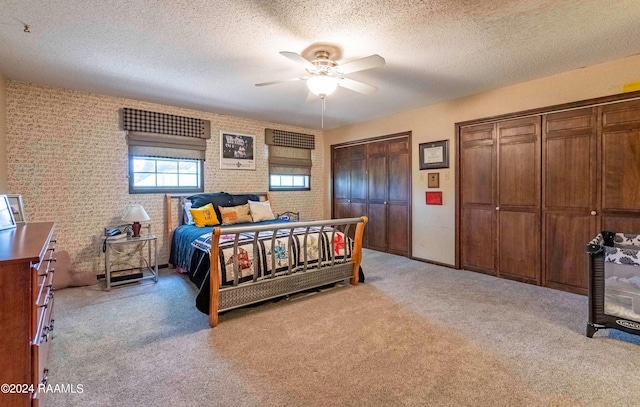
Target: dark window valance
<point x="289" y="139"/>
<point x="162" y="123"/>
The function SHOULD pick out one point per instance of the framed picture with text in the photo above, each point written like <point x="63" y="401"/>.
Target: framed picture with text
<point x="237" y="151"/>
<point x="434" y="155"/>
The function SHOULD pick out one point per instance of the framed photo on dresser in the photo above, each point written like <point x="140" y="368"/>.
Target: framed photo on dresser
<point x="6" y="215"/>
<point x="17" y="208"/>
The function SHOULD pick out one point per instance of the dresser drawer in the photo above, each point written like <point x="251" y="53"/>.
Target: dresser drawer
<point x="40" y="351"/>
<point x="46" y="263"/>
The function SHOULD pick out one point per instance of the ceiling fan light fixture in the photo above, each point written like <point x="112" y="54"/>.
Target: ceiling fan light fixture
<point x="322" y="85"/>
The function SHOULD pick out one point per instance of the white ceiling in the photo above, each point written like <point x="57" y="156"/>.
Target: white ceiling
<point x="207" y="55"/>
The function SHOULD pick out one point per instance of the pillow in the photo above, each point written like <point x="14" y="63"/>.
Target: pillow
<point x="242" y="199"/>
<point x="217" y="199"/>
<point x="204" y="216"/>
<point x="235" y="214"/>
<point x="260" y="211"/>
<point x="187" y="219"/>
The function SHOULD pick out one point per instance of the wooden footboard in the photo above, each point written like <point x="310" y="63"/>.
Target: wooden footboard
<point x="297" y="278"/>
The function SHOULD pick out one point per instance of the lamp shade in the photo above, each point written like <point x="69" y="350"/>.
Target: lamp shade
<point x="135" y="213"/>
<point x="322" y="85"/>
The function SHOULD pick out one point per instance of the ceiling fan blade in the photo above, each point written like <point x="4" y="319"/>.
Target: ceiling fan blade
<point x="301" y="78"/>
<point x="357" y="86"/>
<point x="372" y="61"/>
<point x="298" y="59"/>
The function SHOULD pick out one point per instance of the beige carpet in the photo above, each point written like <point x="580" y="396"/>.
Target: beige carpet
<point x="414" y="335"/>
<point x="356" y="347"/>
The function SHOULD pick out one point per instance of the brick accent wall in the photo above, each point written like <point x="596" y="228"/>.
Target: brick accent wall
<point x="68" y="157"/>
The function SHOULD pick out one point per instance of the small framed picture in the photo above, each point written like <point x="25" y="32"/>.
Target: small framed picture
<point x="237" y="151"/>
<point x="433" y="180"/>
<point x="6" y="216"/>
<point x="17" y="207"/>
<point x="434" y="155"/>
<point x="434" y="198"/>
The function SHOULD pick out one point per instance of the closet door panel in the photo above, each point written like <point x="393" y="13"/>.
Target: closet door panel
<point x="377" y="234"/>
<point x="378" y="178"/>
<point x="478" y="240"/>
<point x="358" y="179"/>
<point x="570" y="198"/>
<point x="518" y="199"/>
<point x="399" y="178"/>
<point x="477" y="185"/>
<point x="621" y="170"/>
<point x="564" y="250"/>
<point x="398" y="242"/>
<point x="519" y="246"/>
<point x="621" y="167"/>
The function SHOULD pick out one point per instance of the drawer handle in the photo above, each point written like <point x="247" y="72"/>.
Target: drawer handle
<point x="50" y="260"/>
<point x="45" y="336"/>
<point x="51" y="249"/>
<point x="51" y="325"/>
<point x="53" y="241"/>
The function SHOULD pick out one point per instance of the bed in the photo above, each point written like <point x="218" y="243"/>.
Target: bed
<point x="260" y="260"/>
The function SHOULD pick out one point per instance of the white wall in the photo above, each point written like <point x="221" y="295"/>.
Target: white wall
<point x="434" y="226"/>
<point x="3" y="135"/>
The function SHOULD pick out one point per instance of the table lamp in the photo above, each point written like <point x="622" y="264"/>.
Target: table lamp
<point x="136" y="214"/>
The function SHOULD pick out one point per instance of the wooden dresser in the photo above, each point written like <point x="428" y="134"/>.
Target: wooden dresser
<point x="26" y="310"/>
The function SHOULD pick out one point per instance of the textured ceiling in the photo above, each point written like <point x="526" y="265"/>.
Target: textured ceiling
<point x="207" y="55"/>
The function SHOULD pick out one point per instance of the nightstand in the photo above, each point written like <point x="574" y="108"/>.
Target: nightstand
<point x="130" y="259"/>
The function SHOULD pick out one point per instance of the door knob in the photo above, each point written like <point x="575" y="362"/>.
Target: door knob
<point x="385" y="202"/>
<point x="497" y="208"/>
<point x="594" y="213"/>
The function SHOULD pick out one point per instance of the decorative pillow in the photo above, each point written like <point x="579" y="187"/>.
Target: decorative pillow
<point x="187" y="219"/>
<point x="217" y="199"/>
<point x="260" y="211"/>
<point x="204" y="216"/>
<point x="235" y="214"/>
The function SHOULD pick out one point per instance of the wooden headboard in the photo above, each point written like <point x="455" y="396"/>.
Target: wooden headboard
<point x="174" y="205"/>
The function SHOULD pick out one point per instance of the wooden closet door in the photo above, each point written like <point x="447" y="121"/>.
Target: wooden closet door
<point x="399" y="187"/>
<point x="341" y="183"/>
<point x="477" y="198"/>
<point x="621" y="167"/>
<point x="358" y="187"/>
<point x="570" y="198"/>
<point x="377" y="195"/>
<point x="518" y="200"/>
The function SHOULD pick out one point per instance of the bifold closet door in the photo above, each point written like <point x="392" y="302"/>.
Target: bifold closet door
<point x="399" y="191"/>
<point x="518" y="199"/>
<point x="477" y="198"/>
<point x="570" y="202"/>
<point x="350" y="184"/>
<point x="621" y="167"/>
<point x="378" y="185"/>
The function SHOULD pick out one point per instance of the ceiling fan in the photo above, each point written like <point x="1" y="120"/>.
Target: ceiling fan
<point x="324" y="74"/>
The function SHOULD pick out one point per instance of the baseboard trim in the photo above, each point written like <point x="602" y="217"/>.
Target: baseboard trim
<point x="437" y="263"/>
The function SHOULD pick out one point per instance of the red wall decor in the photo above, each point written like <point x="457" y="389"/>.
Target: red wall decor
<point x="434" y="198"/>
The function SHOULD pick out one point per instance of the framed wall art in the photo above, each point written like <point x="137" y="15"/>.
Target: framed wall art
<point x="434" y="155"/>
<point x="433" y="180"/>
<point x="237" y="151"/>
<point x="6" y="216"/>
<point x="17" y="207"/>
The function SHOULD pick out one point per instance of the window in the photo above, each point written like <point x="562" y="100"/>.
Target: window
<point x="288" y="182"/>
<point x="154" y="174"/>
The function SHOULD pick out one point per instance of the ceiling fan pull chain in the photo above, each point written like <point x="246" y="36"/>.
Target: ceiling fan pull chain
<point x="323" y="109"/>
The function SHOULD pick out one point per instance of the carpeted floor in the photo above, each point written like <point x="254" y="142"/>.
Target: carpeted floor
<point x="415" y="334"/>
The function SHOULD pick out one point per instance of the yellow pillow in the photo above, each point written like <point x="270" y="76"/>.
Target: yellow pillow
<point x="204" y="216"/>
<point x="235" y="214"/>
